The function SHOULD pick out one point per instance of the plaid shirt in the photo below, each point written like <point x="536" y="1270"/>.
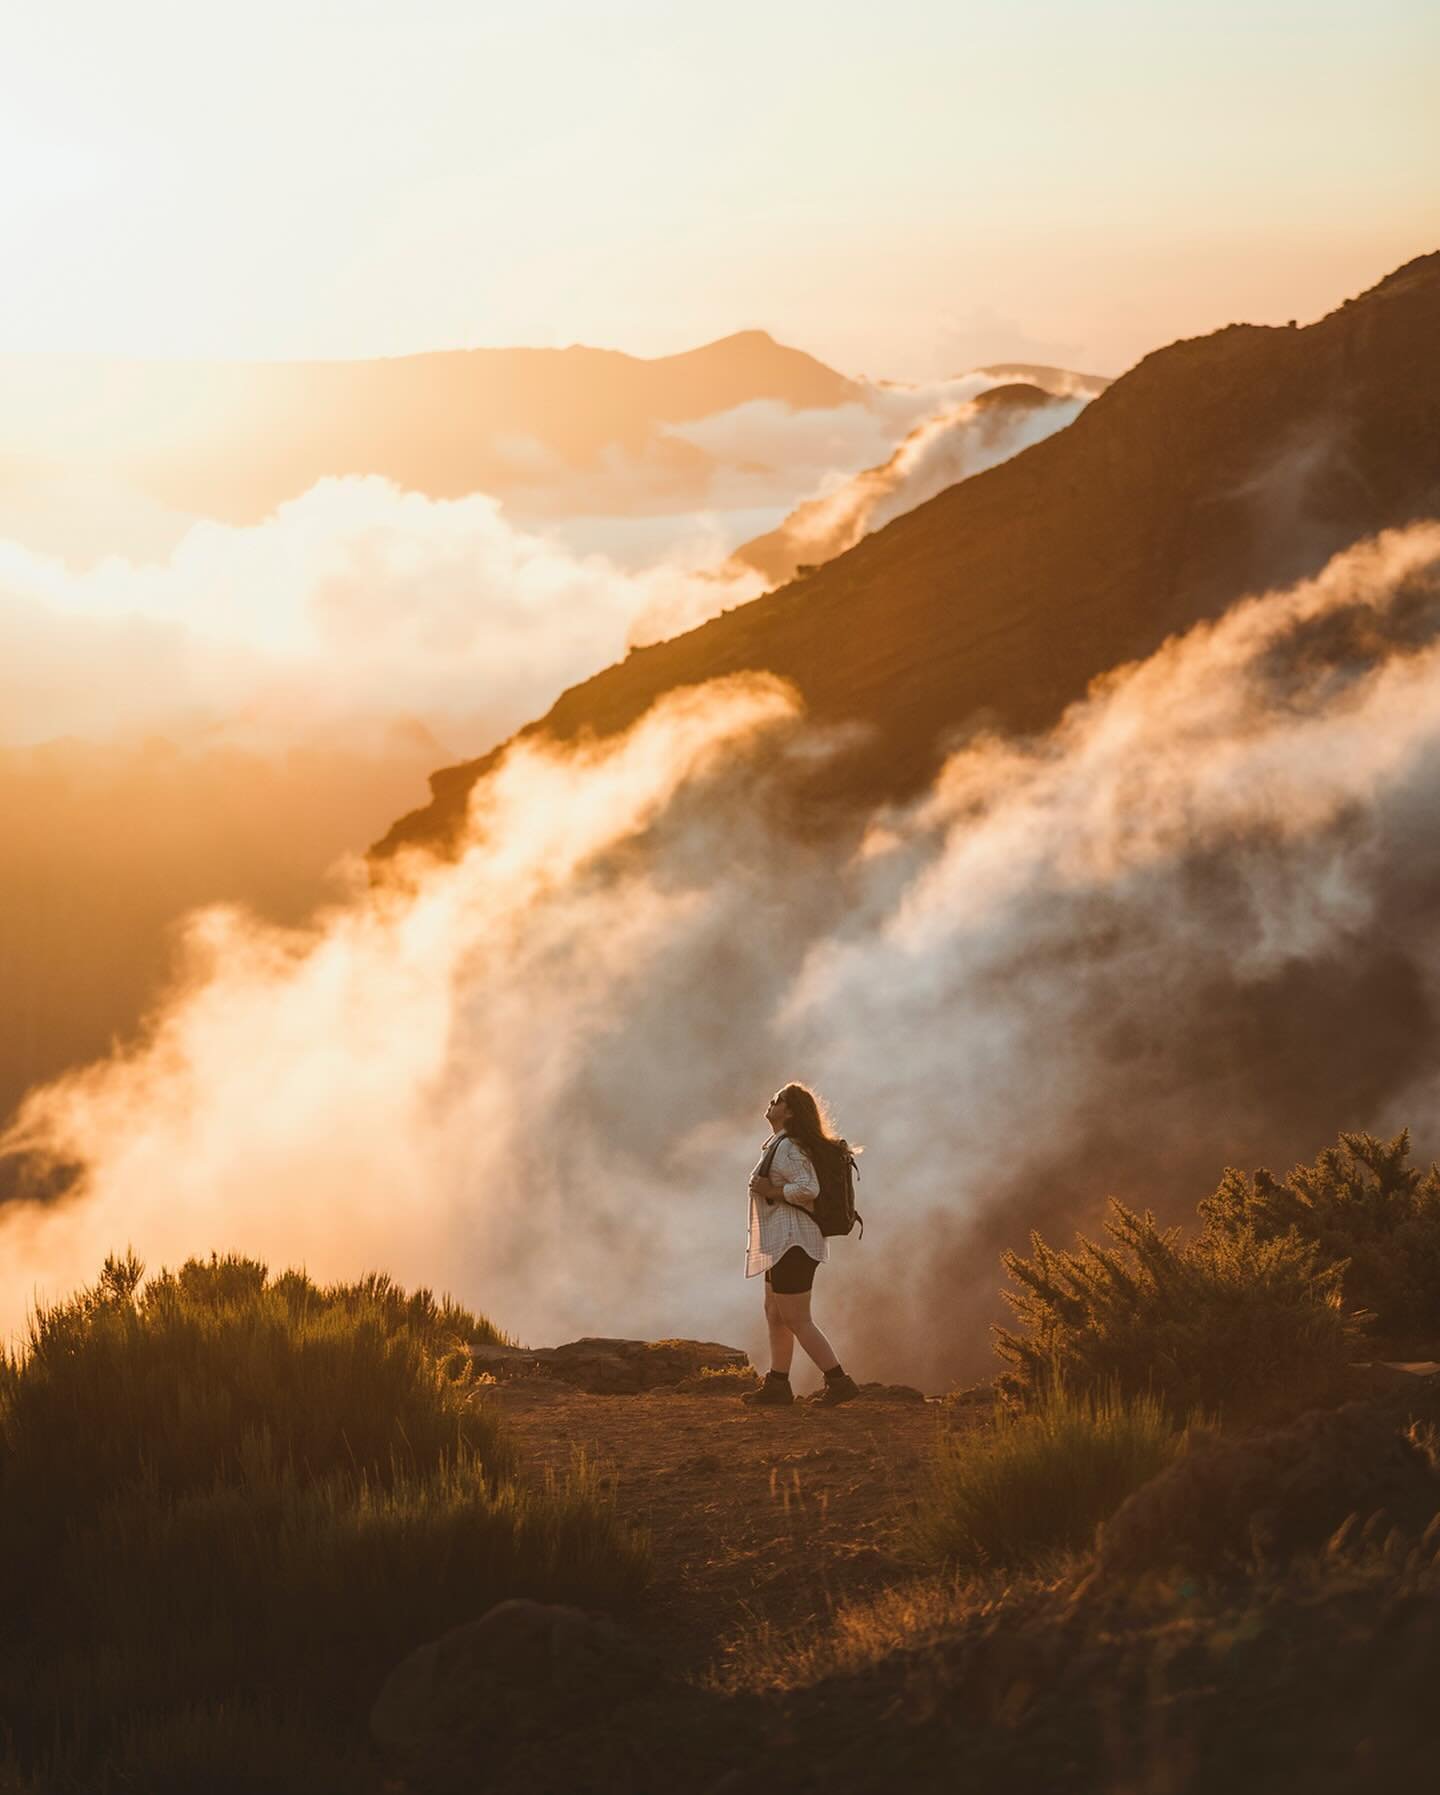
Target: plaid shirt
<point x="777" y="1226"/>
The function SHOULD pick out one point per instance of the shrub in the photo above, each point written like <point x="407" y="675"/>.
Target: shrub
<point x="1039" y="1481"/>
<point x="225" y="1279"/>
<point x="184" y="1381"/>
<point x="229" y="1506"/>
<point x="1365" y="1209"/>
<point x="301" y="1594"/>
<point x="1231" y="1323"/>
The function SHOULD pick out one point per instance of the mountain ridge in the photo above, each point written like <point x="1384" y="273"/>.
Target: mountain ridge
<point x="1220" y="464"/>
<point x="232" y="440"/>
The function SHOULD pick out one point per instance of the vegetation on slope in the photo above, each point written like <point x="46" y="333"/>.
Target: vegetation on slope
<point x="229" y="1505"/>
<point x="1038" y="1482"/>
<point x="1257" y="1315"/>
<point x="1367" y="1211"/>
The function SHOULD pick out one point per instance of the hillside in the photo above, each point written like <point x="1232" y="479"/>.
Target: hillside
<point x="232" y="440"/>
<point x="1219" y="465"/>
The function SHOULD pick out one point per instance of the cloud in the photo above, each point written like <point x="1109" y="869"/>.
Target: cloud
<point x="765" y="452"/>
<point x="351" y="607"/>
<point x="949" y="445"/>
<point x="1193" y="922"/>
<point x="358" y="604"/>
<point x="401" y="1065"/>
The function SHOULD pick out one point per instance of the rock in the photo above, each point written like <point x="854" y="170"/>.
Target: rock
<point x="973" y="1396"/>
<point x="891" y="1393"/>
<point x="612" y="1367"/>
<point x="1274" y="1493"/>
<point x="459" y="1704"/>
<point x="1393" y="1377"/>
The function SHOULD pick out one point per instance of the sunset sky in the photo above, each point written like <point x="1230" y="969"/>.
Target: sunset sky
<point x="904" y="190"/>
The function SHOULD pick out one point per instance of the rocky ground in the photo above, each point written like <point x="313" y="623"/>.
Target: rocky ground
<point x="1128" y="1672"/>
<point x="755" y="1514"/>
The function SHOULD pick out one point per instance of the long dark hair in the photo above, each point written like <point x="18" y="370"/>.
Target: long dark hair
<point x="810" y="1127"/>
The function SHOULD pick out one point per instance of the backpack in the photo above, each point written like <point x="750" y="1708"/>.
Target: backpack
<point x="834" y="1211"/>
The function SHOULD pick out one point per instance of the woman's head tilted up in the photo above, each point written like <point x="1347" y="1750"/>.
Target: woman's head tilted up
<point x="798" y="1111"/>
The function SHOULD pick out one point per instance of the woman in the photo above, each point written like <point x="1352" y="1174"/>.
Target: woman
<point x="786" y="1242"/>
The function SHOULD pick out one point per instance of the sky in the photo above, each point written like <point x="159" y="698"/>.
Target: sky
<point x="905" y="191"/>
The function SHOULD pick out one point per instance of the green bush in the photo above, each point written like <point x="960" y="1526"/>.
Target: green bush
<point x="228" y="1506"/>
<point x="181" y="1381"/>
<point x="225" y="1279"/>
<point x="1365" y="1209"/>
<point x="1232" y="1323"/>
<point x="1039" y="1481"/>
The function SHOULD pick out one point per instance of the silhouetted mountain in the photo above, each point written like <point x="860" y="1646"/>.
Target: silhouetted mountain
<point x="1059" y="381"/>
<point x="231" y="440"/>
<point x="1218" y="466"/>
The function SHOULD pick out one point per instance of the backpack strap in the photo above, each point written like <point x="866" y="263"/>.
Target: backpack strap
<point x="768" y="1158"/>
<point x="764" y="1172"/>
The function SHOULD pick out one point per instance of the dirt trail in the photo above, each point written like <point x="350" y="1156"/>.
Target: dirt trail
<point x="769" y="1514"/>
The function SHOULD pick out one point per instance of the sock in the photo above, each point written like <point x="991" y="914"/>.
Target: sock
<point x="834" y="1374"/>
<point x="779" y="1377"/>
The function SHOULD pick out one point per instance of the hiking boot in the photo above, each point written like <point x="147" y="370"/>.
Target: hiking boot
<point x="837" y="1389"/>
<point x="775" y="1390"/>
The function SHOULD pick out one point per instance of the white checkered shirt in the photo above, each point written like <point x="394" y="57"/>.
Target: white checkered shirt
<point x="778" y="1226"/>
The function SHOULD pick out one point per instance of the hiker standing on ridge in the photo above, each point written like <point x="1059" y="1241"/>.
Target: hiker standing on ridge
<point x="786" y="1240"/>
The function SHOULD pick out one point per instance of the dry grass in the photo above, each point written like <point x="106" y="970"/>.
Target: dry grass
<point x="855" y="1637"/>
<point x="1035" y="1484"/>
<point x="1315" y="1676"/>
<point x="720" y="1380"/>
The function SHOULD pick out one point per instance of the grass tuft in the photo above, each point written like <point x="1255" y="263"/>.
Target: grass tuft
<point x="1035" y="1484"/>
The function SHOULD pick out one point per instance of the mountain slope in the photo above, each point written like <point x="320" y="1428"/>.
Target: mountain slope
<point x="1218" y="466"/>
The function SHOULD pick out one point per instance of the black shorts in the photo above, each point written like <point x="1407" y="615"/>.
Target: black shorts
<point x="792" y="1273"/>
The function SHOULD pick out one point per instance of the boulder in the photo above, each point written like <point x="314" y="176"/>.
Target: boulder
<point x="1277" y="1492"/>
<point x="458" y="1705"/>
<point x="612" y="1367"/>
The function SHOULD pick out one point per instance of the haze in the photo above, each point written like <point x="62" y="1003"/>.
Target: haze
<point x="907" y="193"/>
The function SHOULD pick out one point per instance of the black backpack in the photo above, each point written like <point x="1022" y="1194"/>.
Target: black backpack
<point x="834" y="1211"/>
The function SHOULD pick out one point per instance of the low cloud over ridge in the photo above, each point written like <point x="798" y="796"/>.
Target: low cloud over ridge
<point x="1107" y="959"/>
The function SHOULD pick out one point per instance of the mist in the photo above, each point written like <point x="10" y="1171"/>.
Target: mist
<point x="204" y="711"/>
<point x="959" y="439"/>
<point x="1109" y="959"/>
<point x="351" y="608"/>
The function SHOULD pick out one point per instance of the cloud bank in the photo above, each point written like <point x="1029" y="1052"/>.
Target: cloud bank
<point x="350" y="608"/>
<point x="359" y="605"/>
<point x="1193" y="923"/>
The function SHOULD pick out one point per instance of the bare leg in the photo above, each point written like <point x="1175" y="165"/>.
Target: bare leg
<point x="782" y="1341"/>
<point x="795" y="1318"/>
